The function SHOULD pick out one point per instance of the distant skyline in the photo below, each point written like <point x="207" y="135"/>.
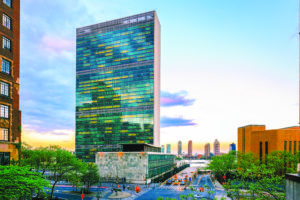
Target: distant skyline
<point x="224" y="65"/>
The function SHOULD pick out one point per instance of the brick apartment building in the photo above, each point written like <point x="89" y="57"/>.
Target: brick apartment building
<point x="10" y="115"/>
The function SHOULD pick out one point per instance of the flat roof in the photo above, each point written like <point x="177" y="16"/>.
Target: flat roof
<point x="292" y="127"/>
<point x="293" y="177"/>
<point x="144" y="144"/>
<point x="125" y="20"/>
<point x="251" y="125"/>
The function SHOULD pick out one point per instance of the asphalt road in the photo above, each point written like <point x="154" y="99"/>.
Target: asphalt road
<point x="70" y="196"/>
<point x="174" y="191"/>
<point x="170" y="191"/>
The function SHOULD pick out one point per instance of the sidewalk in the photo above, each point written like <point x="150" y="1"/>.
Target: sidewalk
<point x="222" y="196"/>
<point x="133" y="193"/>
<point x="218" y="186"/>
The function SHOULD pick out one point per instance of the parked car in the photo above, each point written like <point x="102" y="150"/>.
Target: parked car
<point x="172" y="179"/>
<point x="182" y="183"/>
<point x="176" y="182"/>
<point x="169" y="182"/>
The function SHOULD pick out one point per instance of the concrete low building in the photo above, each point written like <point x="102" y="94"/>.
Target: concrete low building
<point x="292" y="186"/>
<point x="138" y="167"/>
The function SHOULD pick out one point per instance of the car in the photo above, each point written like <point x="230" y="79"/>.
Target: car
<point x="176" y="182"/>
<point x="169" y="182"/>
<point x="172" y="179"/>
<point x="182" y="183"/>
<point x="179" y="179"/>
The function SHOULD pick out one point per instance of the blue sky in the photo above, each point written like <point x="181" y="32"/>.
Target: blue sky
<point x="225" y="64"/>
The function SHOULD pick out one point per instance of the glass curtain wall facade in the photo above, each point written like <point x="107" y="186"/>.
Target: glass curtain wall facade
<point x="117" y="84"/>
<point x="158" y="164"/>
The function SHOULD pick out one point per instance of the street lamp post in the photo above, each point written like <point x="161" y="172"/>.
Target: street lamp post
<point x="98" y="193"/>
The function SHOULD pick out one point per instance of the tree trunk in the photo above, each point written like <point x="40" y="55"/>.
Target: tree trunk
<point x="52" y="190"/>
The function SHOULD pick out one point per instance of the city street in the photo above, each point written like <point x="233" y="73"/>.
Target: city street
<point x="164" y="190"/>
<point x="174" y="191"/>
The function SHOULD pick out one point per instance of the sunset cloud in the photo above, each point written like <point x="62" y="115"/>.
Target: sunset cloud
<point x="169" y="99"/>
<point x="56" y="44"/>
<point x="40" y="138"/>
<point x="175" y="121"/>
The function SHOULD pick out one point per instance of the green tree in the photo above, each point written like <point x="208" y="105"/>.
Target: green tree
<point x="75" y="177"/>
<point x="64" y="163"/>
<point x="19" y="182"/>
<point x="250" y="176"/>
<point x="221" y="165"/>
<point x="266" y="184"/>
<point x="258" y="180"/>
<point x="60" y="163"/>
<point x="90" y="176"/>
<point x="244" y="160"/>
<point x="40" y="159"/>
<point x="282" y="162"/>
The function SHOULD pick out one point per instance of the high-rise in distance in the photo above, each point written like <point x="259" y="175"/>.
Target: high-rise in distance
<point x="179" y="147"/>
<point x="217" y="148"/>
<point x="190" y="148"/>
<point x="168" y="148"/>
<point x="117" y="85"/>
<point x="10" y="115"/>
<point x="207" y="150"/>
<point x="232" y="147"/>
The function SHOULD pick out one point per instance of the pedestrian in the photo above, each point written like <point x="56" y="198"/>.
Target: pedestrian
<point x="123" y="187"/>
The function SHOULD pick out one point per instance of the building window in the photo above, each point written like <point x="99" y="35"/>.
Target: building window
<point x="266" y="151"/>
<point x="6" y="66"/>
<point x="4" y="134"/>
<point x="6" y="21"/>
<point x="4" y="158"/>
<point x="7" y="2"/>
<point x="295" y="147"/>
<point x="4" y="111"/>
<point x="4" y="88"/>
<point x="260" y="151"/>
<point x="284" y="145"/>
<point x="290" y="146"/>
<point x="6" y="43"/>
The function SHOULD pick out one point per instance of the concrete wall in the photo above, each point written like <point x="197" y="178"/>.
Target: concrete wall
<point x="132" y="165"/>
<point x="292" y="190"/>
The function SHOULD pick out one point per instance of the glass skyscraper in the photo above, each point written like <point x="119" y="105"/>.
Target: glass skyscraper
<point x="117" y="84"/>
